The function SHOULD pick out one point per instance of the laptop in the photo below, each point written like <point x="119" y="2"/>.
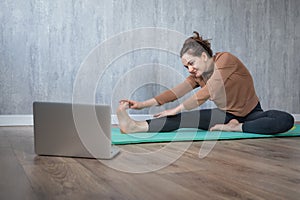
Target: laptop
<point x="73" y="130"/>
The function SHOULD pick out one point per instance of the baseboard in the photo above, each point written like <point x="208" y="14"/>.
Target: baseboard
<point x="27" y="120"/>
<point x="16" y="120"/>
<point x="296" y="117"/>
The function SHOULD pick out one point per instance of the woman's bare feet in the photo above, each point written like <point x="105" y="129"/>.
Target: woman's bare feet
<point x="128" y="125"/>
<point x="232" y="125"/>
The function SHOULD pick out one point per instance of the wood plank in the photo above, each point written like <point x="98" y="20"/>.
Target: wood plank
<point x="14" y="183"/>
<point x="185" y="163"/>
<point x="4" y="142"/>
<point x="241" y="174"/>
<point x="271" y="150"/>
<point x="254" y="159"/>
<point x="17" y="131"/>
<point x="217" y="187"/>
<point x="291" y="143"/>
<point x="68" y="181"/>
<point x="274" y="176"/>
<point x="141" y="186"/>
<point x="24" y="150"/>
<point x="235" y="169"/>
<point x="134" y="160"/>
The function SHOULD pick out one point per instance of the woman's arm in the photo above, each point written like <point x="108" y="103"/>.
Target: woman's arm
<point x="170" y="95"/>
<point x="197" y="99"/>
<point x="169" y="112"/>
<point x="193" y="102"/>
<point x="178" y="91"/>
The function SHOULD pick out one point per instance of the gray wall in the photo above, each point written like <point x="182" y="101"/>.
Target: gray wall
<point x="43" y="43"/>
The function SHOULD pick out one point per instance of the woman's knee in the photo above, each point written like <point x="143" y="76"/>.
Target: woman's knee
<point x="284" y="121"/>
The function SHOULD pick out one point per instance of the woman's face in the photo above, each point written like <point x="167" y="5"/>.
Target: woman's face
<point x="197" y="65"/>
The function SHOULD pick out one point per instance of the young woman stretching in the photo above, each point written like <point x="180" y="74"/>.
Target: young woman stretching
<point x="224" y="79"/>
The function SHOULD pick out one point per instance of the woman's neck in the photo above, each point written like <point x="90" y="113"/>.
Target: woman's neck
<point x="211" y="65"/>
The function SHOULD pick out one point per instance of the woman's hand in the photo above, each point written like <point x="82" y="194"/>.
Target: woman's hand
<point x="140" y="105"/>
<point x="170" y="112"/>
<point x="134" y="104"/>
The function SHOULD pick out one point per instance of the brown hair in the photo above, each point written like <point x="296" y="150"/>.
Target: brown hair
<point x="195" y="46"/>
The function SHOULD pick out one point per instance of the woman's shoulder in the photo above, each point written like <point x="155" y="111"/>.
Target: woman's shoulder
<point x="224" y="55"/>
<point x="225" y="58"/>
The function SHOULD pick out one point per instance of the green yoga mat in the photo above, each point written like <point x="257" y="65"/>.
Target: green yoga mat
<point x="191" y="134"/>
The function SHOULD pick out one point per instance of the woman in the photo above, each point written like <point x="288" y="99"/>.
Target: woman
<point x="224" y="79"/>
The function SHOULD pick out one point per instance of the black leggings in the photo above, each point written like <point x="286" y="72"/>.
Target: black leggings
<point x="257" y="121"/>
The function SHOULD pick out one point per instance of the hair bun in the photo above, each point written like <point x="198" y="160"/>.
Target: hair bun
<point x="196" y="35"/>
<point x="192" y="44"/>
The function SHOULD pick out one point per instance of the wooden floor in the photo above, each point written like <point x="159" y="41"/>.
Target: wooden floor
<point x="235" y="169"/>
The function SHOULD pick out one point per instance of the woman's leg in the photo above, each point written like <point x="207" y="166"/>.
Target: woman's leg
<point x="258" y="121"/>
<point x="202" y="119"/>
<point x="268" y="122"/>
<point x="236" y="123"/>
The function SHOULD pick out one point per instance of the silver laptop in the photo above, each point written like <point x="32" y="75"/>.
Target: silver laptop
<point x="74" y="130"/>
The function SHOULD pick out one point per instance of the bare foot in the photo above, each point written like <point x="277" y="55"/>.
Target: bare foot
<point x="128" y="125"/>
<point x="232" y="125"/>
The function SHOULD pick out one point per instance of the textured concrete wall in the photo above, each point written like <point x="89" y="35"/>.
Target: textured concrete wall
<point x="43" y="43"/>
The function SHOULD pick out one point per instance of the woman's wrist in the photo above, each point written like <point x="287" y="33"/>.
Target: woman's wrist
<point x="149" y="103"/>
<point x="179" y="108"/>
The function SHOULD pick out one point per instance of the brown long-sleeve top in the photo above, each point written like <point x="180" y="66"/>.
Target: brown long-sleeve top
<point x="230" y="86"/>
